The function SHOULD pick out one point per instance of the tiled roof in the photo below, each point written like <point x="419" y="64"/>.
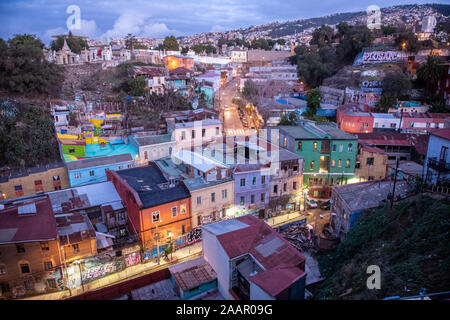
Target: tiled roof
<point x="151" y="140"/>
<point x="443" y="133"/>
<point x="28" y="221"/>
<point x="147" y="182"/>
<point x="74" y="228"/>
<point x="192" y="273"/>
<point x="150" y="71"/>
<point x="269" y="248"/>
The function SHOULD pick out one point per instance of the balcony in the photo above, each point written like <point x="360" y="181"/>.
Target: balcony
<point x="438" y="164"/>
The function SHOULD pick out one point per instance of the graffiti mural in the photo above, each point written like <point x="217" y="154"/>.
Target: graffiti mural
<point x="194" y="236"/>
<point x="96" y="269"/>
<point x="133" y="259"/>
<point x="380" y="57"/>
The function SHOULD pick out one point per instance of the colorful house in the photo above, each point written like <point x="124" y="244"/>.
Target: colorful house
<point x="211" y="77"/>
<point x="329" y="154"/>
<point x="436" y="167"/>
<point x="159" y="211"/>
<point x="92" y="170"/>
<point x="176" y="61"/>
<point x="73" y="148"/>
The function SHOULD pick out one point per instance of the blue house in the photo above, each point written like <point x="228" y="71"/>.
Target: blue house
<point x="92" y="170"/>
<point x="437" y="161"/>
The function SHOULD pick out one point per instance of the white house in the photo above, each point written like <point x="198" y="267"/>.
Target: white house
<point x="385" y="120"/>
<point x="197" y="132"/>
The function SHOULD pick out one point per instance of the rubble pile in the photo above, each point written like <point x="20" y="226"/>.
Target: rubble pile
<point x="300" y="237"/>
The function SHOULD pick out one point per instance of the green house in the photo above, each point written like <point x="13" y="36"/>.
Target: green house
<point x="329" y="154"/>
<point x="74" y="148"/>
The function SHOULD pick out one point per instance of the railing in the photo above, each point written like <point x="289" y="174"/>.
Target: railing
<point x="439" y="165"/>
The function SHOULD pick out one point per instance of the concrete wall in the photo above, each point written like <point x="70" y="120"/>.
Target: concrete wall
<point x="250" y="189"/>
<point x="256" y="293"/>
<point x="214" y="254"/>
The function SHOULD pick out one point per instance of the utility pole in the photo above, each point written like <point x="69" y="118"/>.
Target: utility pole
<point x="401" y="118"/>
<point x="395" y="181"/>
<point x="157" y="245"/>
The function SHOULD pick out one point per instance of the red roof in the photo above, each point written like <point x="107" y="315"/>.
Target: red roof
<point x="74" y="228"/>
<point x="25" y="227"/>
<point x="179" y="71"/>
<point x="443" y="133"/>
<point x="150" y="71"/>
<point x="373" y="150"/>
<point x="279" y="258"/>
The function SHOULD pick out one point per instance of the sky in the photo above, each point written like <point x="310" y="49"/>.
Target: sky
<point x="157" y="19"/>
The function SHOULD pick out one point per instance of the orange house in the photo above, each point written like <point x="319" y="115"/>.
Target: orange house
<point x="158" y="211"/>
<point x="173" y="62"/>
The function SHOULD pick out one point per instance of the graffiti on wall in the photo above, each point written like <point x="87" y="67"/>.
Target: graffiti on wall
<point x="380" y="56"/>
<point x="101" y="270"/>
<point x="132" y="259"/>
<point x="194" y="235"/>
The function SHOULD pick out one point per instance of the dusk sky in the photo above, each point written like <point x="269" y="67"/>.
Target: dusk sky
<point x="150" y="18"/>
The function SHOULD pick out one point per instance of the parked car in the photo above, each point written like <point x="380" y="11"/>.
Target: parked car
<point x="326" y="205"/>
<point x="310" y="203"/>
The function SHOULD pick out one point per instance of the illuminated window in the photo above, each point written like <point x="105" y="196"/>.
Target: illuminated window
<point x="311" y="165"/>
<point x="183" y="209"/>
<point x="75" y="248"/>
<point x="48" y="266"/>
<point x="333" y="163"/>
<point x="45" y="246"/>
<point x="350" y="147"/>
<point x="284" y="142"/>
<point x="155" y="216"/>
<point x="299" y="146"/>
<point x="315" y="146"/>
<point x="339" y="163"/>
<point x="347" y="163"/>
<point x="174" y="212"/>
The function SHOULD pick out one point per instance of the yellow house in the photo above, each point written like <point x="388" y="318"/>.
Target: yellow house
<point x="370" y="163"/>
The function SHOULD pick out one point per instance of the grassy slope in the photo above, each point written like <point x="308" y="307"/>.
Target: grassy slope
<point x="410" y="244"/>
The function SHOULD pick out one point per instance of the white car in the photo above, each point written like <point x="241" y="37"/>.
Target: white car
<point x="226" y="108"/>
<point x="311" y="203"/>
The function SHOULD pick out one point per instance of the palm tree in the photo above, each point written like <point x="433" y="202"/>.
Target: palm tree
<point x="429" y="73"/>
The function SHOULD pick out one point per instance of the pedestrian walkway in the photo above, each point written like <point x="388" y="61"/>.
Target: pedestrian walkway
<point x="181" y="255"/>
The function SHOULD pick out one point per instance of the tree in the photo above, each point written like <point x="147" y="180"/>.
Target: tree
<point x="184" y="50"/>
<point x="171" y="44"/>
<point x="438" y="105"/>
<point x="76" y="44"/>
<point x="386" y="101"/>
<point x="24" y="69"/>
<point x="407" y="41"/>
<point x="322" y="36"/>
<point x="137" y="86"/>
<point x="429" y="73"/>
<point x="250" y="91"/>
<point x="288" y="120"/>
<point x="396" y="84"/>
<point x="352" y="39"/>
<point x="388" y="30"/>
<point x="313" y="98"/>
<point x="281" y="42"/>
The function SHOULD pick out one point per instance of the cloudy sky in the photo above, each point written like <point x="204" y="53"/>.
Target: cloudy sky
<point x="150" y="18"/>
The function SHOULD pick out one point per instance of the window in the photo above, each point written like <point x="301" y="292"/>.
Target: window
<point x="295" y="168"/>
<point x="243" y="182"/>
<point x="339" y="163"/>
<point x="263" y="196"/>
<point x="284" y="142"/>
<point x="51" y="283"/>
<point x="315" y="146"/>
<point x="294" y="185"/>
<point x="183" y="209"/>
<point x="285" y="187"/>
<point x="193" y="134"/>
<point x="369" y="161"/>
<point x="77" y="175"/>
<point x="275" y="189"/>
<point x="333" y="163"/>
<point x="252" y="199"/>
<point x="45" y="246"/>
<point x="393" y="125"/>
<point x="347" y="163"/>
<point x="56" y="178"/>
<point x="341" y="147"/>
<point x="91" y="173"/>
<point x="263" y="179"/>
<point x="129" y="166"/>
<point x="254" y="181"/>
<point x="174" y="212"/>
<point x="38" y="182"/>
<point x="217" y="131"/>
<point x="2" y="269"/>
<point x="199" y="220"/>
<point x="350" y="147"/>
<point x="183" y="229"/>
<point x="299" y="146"/>
<point x="213" y="197"/>
<point x="224" y="194"/>
<point x="20" y="248"/>
<point x="145" y="155"/>
<point x="199" y="200"/>
<point x="334" y="147"/>
<point x="444" y="153"/>
<point x="75" y="248"/>
<point x="155" y="216"/>
<point x="48" y="266"/>
<point x="24" y="268"/>
<point x="183" y="135"/>
<point x="242" y="201"/>
<point x="71" y="150"/>
<point x="311" y="165"/>
<point x="203" y="132"/>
